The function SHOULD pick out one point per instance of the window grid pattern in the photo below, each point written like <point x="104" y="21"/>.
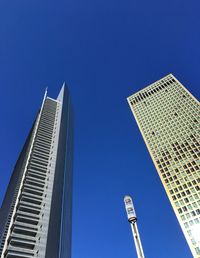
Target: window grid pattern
<point x="28" y="234"/>
<point x="168" y="117"/>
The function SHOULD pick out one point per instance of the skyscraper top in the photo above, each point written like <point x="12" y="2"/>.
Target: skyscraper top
<point x="150" y="90"/>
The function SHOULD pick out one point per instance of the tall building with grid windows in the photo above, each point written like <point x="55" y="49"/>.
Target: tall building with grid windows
<point x="168" y="117"/>
<point x="35" y="217"/>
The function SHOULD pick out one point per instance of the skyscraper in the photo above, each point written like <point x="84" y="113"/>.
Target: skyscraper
<point x="35" y="217"/>
<point x="168" y="117"/>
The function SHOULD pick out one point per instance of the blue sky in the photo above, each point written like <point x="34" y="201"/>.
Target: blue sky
<point x="105" y="50"/>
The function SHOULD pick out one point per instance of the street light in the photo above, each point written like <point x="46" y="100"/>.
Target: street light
<point x="132" y="218"/>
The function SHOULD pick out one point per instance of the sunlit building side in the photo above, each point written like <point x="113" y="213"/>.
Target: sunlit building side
<point x="168" y="117"/>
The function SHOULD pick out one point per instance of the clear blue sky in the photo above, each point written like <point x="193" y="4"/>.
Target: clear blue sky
<point x="105" y="50"/>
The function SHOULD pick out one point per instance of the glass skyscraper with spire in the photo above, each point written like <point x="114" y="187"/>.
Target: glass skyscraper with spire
<point x="168" y="117"/>
<point x="35" y="217"/>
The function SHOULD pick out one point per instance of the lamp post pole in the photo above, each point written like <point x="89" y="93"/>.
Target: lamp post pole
<point x="132" y="218"/>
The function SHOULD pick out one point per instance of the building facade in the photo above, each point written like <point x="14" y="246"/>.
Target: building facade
<point x="168" y="117"/>
<point x="35" y="217"/>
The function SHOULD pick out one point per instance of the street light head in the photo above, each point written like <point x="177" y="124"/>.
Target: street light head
<point x="130" y="209"/>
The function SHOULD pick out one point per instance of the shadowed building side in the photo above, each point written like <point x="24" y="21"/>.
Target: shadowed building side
<point x="59" y="234"/>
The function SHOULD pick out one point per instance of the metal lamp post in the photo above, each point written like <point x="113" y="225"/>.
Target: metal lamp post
<point x="132" y="218"/>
